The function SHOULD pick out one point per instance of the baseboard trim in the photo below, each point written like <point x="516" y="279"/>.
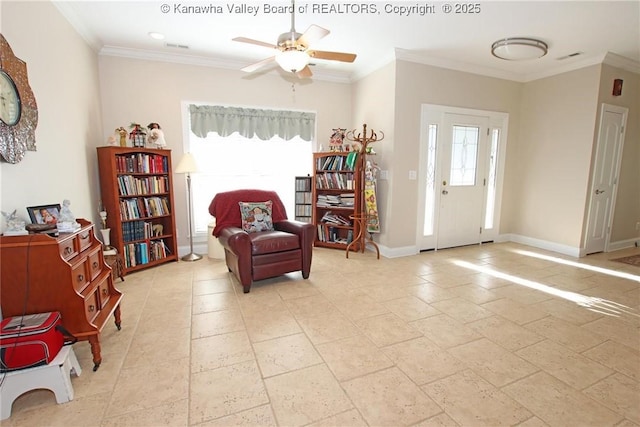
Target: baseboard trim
<point x="541" y="244"/>
<point x="398" y="252"/>
<point x="624" y="244"/>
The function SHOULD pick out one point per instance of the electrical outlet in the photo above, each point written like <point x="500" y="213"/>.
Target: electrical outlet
<point x="413" y="175"/>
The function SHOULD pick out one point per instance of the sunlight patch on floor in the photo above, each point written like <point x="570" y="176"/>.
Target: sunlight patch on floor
<point x="598" y="305"/>
<point x="602" y="270"/>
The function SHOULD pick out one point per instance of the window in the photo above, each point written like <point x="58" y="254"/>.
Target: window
<point x="430" y="196"/>
<point x="464" y="155"/>
<point x="491" y="182"/>
<point x="235" y="161"/>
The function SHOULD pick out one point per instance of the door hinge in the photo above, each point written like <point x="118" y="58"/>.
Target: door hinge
<point x="622" y="129"/>
<point x="484" y="182"/>
<point x="480" y="230"/>
<point x="488" y="131"/>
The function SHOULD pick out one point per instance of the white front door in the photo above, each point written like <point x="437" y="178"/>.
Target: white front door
<point x="462" y="180"/>
<point x="604" y="178"/>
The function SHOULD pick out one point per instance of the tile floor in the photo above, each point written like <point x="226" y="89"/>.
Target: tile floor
<point x="500" y="334"/>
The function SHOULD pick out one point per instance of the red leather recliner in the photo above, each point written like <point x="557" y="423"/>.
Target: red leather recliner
<point x="264" y="254"/>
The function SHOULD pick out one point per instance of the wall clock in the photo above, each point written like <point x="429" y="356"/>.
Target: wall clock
<point x="18" y="108"/>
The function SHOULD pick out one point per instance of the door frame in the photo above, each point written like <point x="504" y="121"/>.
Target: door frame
<point x="434" y="114"/>
<point x="618" y="164"/>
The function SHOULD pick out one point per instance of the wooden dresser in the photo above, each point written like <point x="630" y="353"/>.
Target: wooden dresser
<point x="39" y="273"/>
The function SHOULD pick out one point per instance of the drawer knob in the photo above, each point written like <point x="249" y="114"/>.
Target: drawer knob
<point x="80" y="277"/>
<point x="92" y="308"/>
<point x="95" y="264"/>
<point x="68" y="250"/>
<point x="105" y="292"/>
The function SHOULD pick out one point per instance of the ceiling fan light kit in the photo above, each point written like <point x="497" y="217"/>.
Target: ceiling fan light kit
<point x="294" y="54"/>
<point x="519" y="49"/>
<point x="292" y="60"/>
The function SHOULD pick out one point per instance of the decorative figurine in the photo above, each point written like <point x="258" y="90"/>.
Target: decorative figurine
<point x="122" y="133"/>
<point x="336" y="140"/>
<point x="66" y="221"/>
<point x="15" y="226"/>
<point x="155" y="138"/>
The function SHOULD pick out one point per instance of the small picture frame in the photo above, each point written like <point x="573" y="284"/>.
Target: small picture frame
<point x="617" y="87"/>
<point x="45" y="214"/>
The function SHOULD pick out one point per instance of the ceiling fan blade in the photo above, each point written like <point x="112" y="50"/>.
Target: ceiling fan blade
<point x="313" y="34"/>
<point x="253" y="67"/>
<point x="305" y="73"/>
<point x="333" y="56"/>
<point x="256" y="42"/>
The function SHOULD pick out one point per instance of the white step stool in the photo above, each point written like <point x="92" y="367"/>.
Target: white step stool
<point x="56" y="376"/>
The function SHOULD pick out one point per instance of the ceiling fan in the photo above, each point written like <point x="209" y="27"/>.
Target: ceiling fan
<point x="293" y="49"/>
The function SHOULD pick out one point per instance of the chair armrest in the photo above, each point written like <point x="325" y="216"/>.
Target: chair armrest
<point x="305" y="230"/>
<point x="236" y="240"/>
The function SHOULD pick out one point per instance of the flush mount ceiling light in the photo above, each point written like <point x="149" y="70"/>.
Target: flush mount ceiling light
<point x="519" y="49"/>
<point x="292" y="60"/>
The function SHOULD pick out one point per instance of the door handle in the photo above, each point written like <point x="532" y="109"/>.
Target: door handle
<point x="445" y="192"/>
<point x="599" y="191"/>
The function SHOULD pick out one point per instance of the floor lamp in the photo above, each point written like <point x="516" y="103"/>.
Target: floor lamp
<point x="188" y="165"/>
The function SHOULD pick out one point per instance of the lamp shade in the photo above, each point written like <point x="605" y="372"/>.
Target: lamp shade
<point x="292" y="60"/>
<point x="187" y="164"/>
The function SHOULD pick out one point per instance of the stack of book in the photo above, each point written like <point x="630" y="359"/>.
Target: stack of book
<point x="347" y="200"/>
<point x="327" y="200"/>
<point x="331" y="218"/>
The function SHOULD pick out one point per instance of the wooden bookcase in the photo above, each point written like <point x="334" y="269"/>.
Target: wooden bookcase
<point x="137" y="192"/>
<point x="337" y="194"/>
<point x="303" y="205"/>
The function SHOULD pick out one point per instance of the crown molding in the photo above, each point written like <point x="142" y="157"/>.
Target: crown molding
<point x="382" y="61"/>
<point x="606" y="58"/>
<point x="405" y="55"/>
<point x="78" y="24"/>
<point x="201" y="61"/>
<point x="623" y="62"/>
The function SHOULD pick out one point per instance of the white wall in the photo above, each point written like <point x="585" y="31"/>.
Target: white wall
<point x="374" y="105"/>
<point x="63" y="74"/>
<point x="145" y="91"/>
<point x="556" y="140"/>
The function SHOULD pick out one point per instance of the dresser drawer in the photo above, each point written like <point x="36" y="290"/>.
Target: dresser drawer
<point x="103" y="291"/>
<point x="79" y="276"/>
<point x="94" y="262"/>
<point x="67" y="249"/>
<point x="91" y="306"/>
<point x="83" y="239"/>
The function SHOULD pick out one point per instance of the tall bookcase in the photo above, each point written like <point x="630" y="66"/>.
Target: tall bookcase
<point x="137" y="192"/>
<point x="337" y="194"/>
<point x="303" y="205"/>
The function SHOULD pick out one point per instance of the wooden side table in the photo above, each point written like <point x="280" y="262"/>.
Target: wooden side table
<point x="116" y="263"/>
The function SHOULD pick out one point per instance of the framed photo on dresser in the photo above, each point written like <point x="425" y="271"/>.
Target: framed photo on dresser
<point x="45" y="214"/>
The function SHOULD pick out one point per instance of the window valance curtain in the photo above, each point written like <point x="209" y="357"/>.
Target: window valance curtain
<point x="265" y="124"/>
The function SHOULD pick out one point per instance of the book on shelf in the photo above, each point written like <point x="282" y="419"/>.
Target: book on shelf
<point x="332" y="218"/>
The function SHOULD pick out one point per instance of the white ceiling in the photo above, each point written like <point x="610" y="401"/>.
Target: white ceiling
<point x="452" y="40"/>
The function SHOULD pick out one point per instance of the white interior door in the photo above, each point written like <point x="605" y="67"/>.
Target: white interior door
<point x="462" y="180"/>
<point x="604" y="177"/>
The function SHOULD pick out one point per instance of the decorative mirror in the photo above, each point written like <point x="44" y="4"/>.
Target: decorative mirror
<point x="18" y="108"/>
